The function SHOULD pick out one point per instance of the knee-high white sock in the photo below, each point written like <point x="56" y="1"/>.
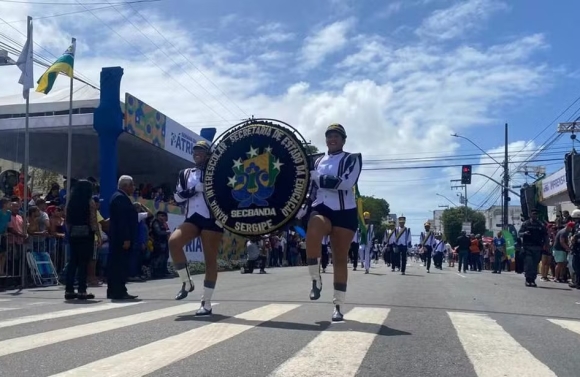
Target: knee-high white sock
<point x="313" y="268"/>
<point x="184" y="275"/>
<point x="208" y="288"/>
<point x="339" y="297"/>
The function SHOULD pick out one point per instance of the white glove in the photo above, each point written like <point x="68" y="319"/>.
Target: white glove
<point x="199" y="187"/>
<point x="301" y="213"/>
<point x="315" y="177"/>
<point x="219" y="224"/>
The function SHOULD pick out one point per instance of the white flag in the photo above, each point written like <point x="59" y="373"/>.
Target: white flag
<point x="25" y="64"/>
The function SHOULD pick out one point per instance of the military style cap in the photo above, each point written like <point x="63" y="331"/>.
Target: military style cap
<point x="201" y="144"/>
<point x="367" y="215"/>
<point x="427" y="224"/>
<point x="336" y="127"/>
<point x="402" y="218"/>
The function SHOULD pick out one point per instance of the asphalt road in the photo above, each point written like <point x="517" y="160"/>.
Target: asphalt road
<point x="437" y="324"/>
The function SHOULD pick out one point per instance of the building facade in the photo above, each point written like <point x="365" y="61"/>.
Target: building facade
<point x="493" y="217"/>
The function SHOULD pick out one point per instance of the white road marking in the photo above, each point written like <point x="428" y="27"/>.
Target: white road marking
<point x="144" y="360"/>
<point x="335" y="353"/>
<point x="460" y="274"/>
<point x="40" y="303"/>
<point x="573" y="326"/>
<point x="7" y="309"/>
<point x="65" y="313"/>
<point x="26" y="343"/>
<point x="484" y="340"/>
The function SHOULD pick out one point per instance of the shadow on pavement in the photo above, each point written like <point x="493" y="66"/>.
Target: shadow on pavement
<point x="557" y="289"/>
<point x="317" y="326"/>
<point x="82" y="302"/>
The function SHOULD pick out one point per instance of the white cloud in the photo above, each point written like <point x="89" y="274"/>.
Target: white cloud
<point x="391" y="9"/>
<point x="328" y="40"/>
<point x="274" y="33"/>
<point x="458" y="19"/>
<point x="396" y="100"/>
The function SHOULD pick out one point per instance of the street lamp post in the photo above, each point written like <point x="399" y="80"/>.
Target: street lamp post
<point x="504" y="165"/>
<point x="446" y="198"/>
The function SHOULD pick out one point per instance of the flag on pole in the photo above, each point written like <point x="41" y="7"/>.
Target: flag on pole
<point x="360" y="214"/>
<point x="25" y="63"/>
<point x="64" y="64"/>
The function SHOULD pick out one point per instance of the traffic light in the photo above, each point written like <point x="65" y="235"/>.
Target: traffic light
<point x="466" y="175"/>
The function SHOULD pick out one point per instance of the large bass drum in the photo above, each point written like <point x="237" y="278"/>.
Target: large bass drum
<point x="257" y="176"/>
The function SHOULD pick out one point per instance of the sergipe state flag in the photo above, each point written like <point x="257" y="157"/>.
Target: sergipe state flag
<point x="64" y="64"/>
<point x="360" y="215"/>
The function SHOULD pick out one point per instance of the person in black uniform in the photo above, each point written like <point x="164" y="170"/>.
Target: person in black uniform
<point x="333" y="213"/>
<point x="198" y="223"/>
<point x="534" y="238"/>
<point x="353" y="250"/>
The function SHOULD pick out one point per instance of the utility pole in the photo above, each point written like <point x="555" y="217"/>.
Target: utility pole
<point x="506" y="182"/>
<point x="462" y="198"/>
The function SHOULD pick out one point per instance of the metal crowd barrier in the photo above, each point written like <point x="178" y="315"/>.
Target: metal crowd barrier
<point x="35" y="260"/>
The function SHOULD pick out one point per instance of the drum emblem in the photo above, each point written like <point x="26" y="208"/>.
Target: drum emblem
<point x="257" y="177"/>
<point x="254" y="178"/>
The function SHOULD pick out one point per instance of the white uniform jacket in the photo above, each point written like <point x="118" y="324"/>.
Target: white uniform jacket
<point x="333" y="180"/>
<point x="189" y="192"/>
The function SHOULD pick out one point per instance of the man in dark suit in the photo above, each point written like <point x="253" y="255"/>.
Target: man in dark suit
<point x="123" y="225"/>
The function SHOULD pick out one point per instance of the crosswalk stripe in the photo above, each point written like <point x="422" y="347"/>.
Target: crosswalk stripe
<point x="573" y="326"/>
<point x="4" y="299"/>
<point x="26" y="343"/>
<point x="492" y="350"/>
<point x="65" y="313"/>
<point x="151" y="357"/>
<point x="7" y="309"/>
<point x="334" y="353"/>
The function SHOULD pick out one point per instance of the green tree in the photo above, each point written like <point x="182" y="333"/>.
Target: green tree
<point x="311" y="149"/>
<point x="452" y="218"/>
<point x="43" y="179"/>
<point x="379" y="209"/>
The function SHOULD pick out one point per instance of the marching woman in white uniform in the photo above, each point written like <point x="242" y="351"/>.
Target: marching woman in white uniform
<point x="333" y="212"/>
<point x="198" y="223"/>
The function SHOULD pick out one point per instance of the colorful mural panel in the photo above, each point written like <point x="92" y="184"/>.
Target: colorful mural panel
<point x="144" y="121"/>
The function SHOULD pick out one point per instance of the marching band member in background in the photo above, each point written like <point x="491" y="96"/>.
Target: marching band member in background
<point x="353" y="250"/>
<point x="438" y="251"/>
<point x="198" y="223"/>
<point x="388" y="252"/>
<point x="333" y="212"/>
<point x="367" y="244"/>
<point x="324" y="253"/>
<point x="401" y="241"/>
<point x="428" y="241"/>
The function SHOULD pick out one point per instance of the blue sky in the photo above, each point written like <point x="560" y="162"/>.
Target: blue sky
<point x="400" y="75"/>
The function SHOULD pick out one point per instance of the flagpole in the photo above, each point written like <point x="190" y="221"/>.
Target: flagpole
<point x="26" y="159"/>
<point x="69" y="141"/>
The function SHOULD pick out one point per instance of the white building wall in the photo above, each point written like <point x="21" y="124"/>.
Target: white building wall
<point x="493" y="216"/>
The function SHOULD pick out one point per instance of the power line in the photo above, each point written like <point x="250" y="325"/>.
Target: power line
<point x="169" y="56"/>
<point x="77" y="75"/>
<point x="441" y="166"/>
<point x="62" y="14"/>
<point x="152" y="61"/>
<point x="75" y="4"/>
<point x="191" y="63"/>
<point x="443" y="158"/>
